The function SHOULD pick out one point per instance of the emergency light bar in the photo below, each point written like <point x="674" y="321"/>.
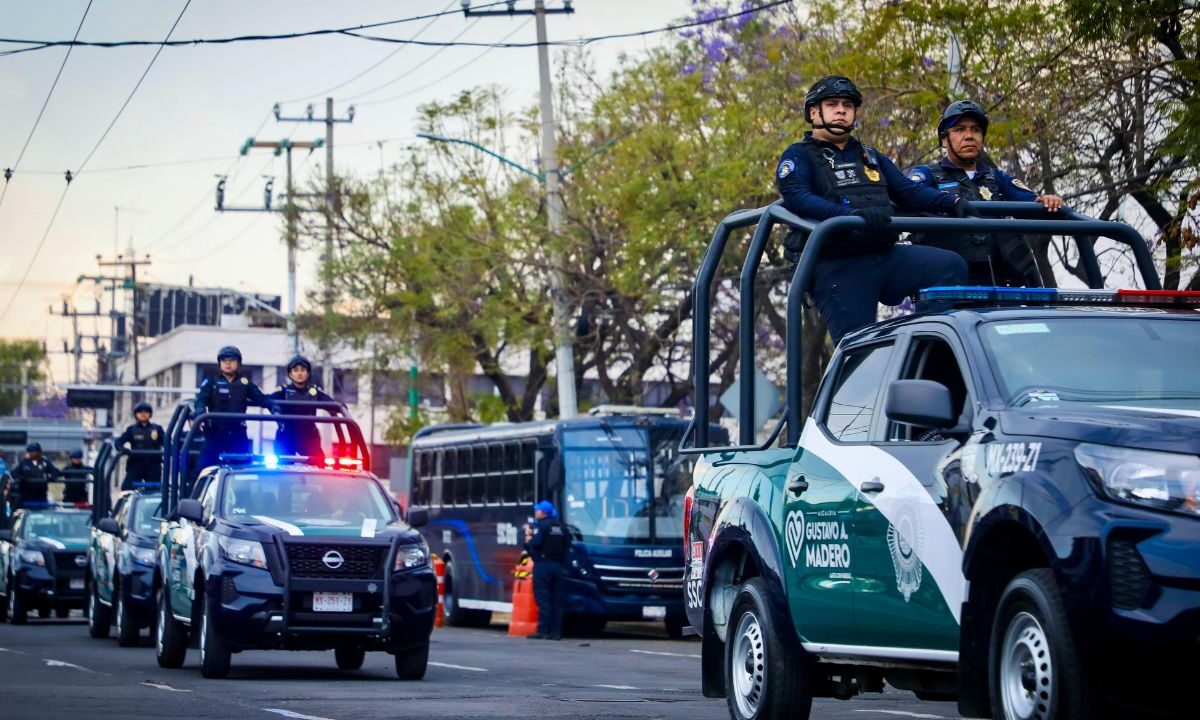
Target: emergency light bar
<point x="987" y="295"/>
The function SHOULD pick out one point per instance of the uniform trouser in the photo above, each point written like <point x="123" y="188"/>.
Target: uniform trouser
<point x="847" y="290"/>
<point x="141" y="472"/>
<point x="550" y="593"/>
<point x="232" y="442"/>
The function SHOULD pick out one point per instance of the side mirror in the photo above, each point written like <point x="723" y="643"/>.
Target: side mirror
<point x="418" y="516"/>
<point x="923" y="403"/>
<point x="108" y="525"/>
<point x="6" y="535"/>
<point x="191" y="510"/>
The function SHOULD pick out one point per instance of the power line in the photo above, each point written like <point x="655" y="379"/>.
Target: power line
<point x="381" y="61"/>
<point x="423" y="63"/>
<point x="49" y="226"/>
<point x="42" y="44"/>
<point x="8" y="172"/>
<point x="355" y="33"/>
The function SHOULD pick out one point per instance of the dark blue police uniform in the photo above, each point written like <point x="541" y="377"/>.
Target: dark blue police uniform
<point x="991" y="260"/>
<point x="299" y="438"/>
<point x="30" y="482"/>
<point x="142" y="468"/>
<point x="819" y="180"/>
<point x="548" y="548"/>
<point x="219" y="394"/>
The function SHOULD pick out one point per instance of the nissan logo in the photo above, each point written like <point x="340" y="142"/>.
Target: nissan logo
<point x="80" y="560"/>
<point x="333" y="560"/>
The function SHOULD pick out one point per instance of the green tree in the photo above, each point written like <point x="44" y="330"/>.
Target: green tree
<point x="15" y="354"/>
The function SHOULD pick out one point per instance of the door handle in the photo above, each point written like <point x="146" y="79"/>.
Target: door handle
<point x="872" y="486"/>
<point x="797" y="485"/>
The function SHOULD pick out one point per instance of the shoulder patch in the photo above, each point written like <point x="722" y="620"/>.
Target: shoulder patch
<point x="785" y="168"/>
<point x="1021" y="184"/>
<point x="245" y="381"/>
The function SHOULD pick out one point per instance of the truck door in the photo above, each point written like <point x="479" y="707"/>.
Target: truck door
<point x="818" y="512"/>
<point x="908" y="556"/>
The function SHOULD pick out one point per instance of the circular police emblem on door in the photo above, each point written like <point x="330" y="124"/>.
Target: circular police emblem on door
<point x="333" y="560"/>
<point x="905" y="540"/>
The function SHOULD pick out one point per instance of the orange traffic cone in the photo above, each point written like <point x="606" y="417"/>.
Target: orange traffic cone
<point x="524" y="609"/>
<point x="439" y="569"/>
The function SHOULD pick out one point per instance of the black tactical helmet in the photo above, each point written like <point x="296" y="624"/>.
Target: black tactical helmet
<point x="33" y="447"/>
<point x="229" y="351"/>
<point x="143" y="407"/>
<point x="301" y="361"/>
<point x="76" y="454"/>
<point x="956" y="111"/>
<point x="832" y="86"/>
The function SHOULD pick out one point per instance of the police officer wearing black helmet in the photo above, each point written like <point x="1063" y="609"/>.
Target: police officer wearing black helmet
<point x="829" y="174"/>
<point x="30" y="478"/>
<point x="143" y="436"/>
<point x="227" y="392"/>
<point x="299" y="438"/>
<point x="966" y="173"/>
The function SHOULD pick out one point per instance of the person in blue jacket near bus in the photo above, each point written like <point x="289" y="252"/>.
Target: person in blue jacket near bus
<point x="547" y="542"/>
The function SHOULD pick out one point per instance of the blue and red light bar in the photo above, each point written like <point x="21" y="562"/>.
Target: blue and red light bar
<point x="986" y="295"/>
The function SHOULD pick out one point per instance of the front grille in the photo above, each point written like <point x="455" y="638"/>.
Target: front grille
<point x="359" y="562"/>
<point x="627" y="577"/>
<point x="1127" y="574"/>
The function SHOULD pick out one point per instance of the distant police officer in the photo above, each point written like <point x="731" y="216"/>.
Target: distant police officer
<point x="76" y="477"/>
<point x="830" y="174"/>
<point x="227" y="392"/>
<point x="30" y="478"/>
<point x="142" y="436"/>
<point x="964" y="172"/>
<point x="299" y="438"/>
<point x="547" y="543"/>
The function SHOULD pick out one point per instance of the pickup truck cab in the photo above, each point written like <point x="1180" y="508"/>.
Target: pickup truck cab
<point x="997" y="503"/>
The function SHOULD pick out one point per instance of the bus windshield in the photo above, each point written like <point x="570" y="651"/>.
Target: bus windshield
<point x="624" y="484"/>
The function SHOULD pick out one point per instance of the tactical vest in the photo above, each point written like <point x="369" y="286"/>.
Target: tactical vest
<point x="555" y="542"/>
<point x="299" y="437"/>
<point x="229" y="397"/>
<point x="855" y="184"/>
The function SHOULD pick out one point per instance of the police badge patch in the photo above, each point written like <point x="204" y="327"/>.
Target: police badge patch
<point x="905" y="540"/>
<point x="312" y="391"/>
<point x="871" y="173"/>
<point x="245" y="381"/>
<point x="785" y="168"/>
<point x="154" y="435"/>
<point x="985" y="193"/>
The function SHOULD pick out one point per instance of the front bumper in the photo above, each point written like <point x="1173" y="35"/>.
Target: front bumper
<point x="585" y="597"/>
<point x="256" y="612"/>
<point x="41" y="586"/>
<point x="137" y="585"/>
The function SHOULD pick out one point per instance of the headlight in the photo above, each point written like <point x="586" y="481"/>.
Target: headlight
<point x="244" y="552"/>
<point x="1159" y="480"/>
<point x="142" y="555"/>
<point x="411" y="556"/>
<point x="33" y="557"/>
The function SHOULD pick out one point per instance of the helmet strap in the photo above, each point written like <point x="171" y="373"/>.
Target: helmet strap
<point x="833" y="128"/>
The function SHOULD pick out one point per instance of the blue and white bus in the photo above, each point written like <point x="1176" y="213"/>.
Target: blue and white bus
<point x="617" y="480"/>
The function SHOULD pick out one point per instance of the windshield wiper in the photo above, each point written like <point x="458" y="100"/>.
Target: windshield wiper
<point x="1042" y="393"/>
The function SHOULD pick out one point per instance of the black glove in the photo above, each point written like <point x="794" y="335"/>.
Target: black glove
<point x="964" y="209"/>
<point x="877" y="217"/>
<point x="793" y="245"/>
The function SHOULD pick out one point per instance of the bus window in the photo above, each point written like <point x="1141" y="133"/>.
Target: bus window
<point x="512" y="473"/>
<point x="479" y="475"/>
<point x="527" y="480"/>
<point x="435" y="478"/>
<point x="462" y="476"/>
<point x="495" y="476"/>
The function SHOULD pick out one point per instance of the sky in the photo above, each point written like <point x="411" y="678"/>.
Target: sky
<point x="199" y="104"/>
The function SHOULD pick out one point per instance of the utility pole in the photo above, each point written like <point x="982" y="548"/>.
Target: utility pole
<point x="564" y="354"/>
<point x="130" y="283"/>
<point x="332" y="211"/>
<point x="290" y="212"/>
<point x="25" y="390"/>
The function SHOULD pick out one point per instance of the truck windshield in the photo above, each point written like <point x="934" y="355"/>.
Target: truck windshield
<point x="64" y="527"/>
<point x="1135" y="362"/>
<point x="329" y="500"/>
<point x="623" y="484"/>
<point x="144" y="520"/>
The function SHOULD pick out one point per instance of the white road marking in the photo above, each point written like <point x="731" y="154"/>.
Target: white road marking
<point x="458" y="667"/>
<point x="162" y="686"/>
<point x="294" y="714"/>
<point x="60" y="663"/>
<point x="617" y="687"/>
<point x="905" y="713"/>
<point x="664" y="654"/>
<point x="14" y="652"/>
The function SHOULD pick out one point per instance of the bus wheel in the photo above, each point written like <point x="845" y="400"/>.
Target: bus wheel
<point x="456" y="614"/>
<point x="763" y="676"/>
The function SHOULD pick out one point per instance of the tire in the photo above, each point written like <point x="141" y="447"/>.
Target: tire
<point x="1034" y="667"/>
<point x="349" y="658"/>
<point x="215" y="652"/>
<point x="4" y="610"/>
<point x="456" y="615"/>
<point x="412" y="662"/>
<point x="764" y="678"/>
<point x="62" y="613"/>
<point x="44" y="612"/>
<point x="128" y="632"/>
<point x="170" y="636"/>
<point x="18" y="614"/>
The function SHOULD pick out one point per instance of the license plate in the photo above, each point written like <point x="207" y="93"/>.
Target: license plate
<point x="654" y="612"/>
<point x="76" y="583"/>
<point x="333" y="602"/>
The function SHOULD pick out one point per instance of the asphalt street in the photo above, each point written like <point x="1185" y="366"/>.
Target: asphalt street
<point x="51" y="669"/>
